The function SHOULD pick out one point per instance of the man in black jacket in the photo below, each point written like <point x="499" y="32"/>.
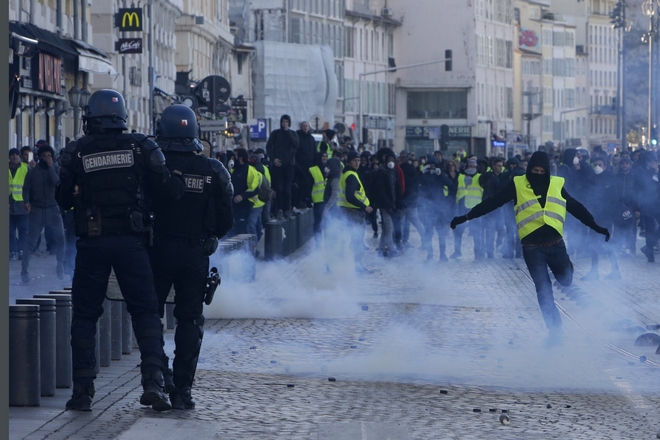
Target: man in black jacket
<point x="626" y="227"/>
<point x="304" y="161"/>
<point x="541" y="203"/>
<point x="281" y="149"/>
<point x="433" y="205"/>
<point x="385" y="196"/>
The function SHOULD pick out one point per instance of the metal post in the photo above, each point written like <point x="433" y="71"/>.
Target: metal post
<point x="63" y="367"/>
<point x="116" y="331"/>
<point x="126" y="330"/>
<point x="24" y="357"/>
<point x="648" y="131"/>
<point x="47" y="342"/>
<point x="105" y="327"/>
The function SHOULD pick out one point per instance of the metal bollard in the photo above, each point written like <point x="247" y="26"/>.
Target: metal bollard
<point x="47" y="341"/>
<point x="273" y="240"/>
<point x="126" y="330"/>
<point x="105" y="329"/>
<point x="169" y="316"/>
<point x="24" y="358"/>
<point x="63" y="364"/>
<point x="116" y="335"/>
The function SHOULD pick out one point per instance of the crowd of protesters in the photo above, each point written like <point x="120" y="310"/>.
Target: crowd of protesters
<point x="296" y="171"/>
<point x="426" y="192"/>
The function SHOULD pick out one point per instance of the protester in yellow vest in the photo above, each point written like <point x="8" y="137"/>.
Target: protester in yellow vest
<point x="325" y="146"/>
<point x="540" y="205"/>
<point x="18" y="215"/>
<point x="468" y="195"/>
<point x="254" y="223"/>
<point x="317" y="177"/>
<point x="353" y="203"/>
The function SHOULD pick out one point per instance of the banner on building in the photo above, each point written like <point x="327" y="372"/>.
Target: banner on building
<point x="129" y="19"/>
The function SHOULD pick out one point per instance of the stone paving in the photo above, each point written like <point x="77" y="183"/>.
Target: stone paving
<point x="415" y="349"/>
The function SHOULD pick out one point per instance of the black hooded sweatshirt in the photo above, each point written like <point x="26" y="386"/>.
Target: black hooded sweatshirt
<point x="282" y="144"/>
<point x="539" y="183"/>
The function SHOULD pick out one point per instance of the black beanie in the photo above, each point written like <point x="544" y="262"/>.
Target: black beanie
<point x="45" y="148"/>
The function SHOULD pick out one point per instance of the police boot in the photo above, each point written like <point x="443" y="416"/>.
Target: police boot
<point x="153" y="395"/>
<point x="81" y="400"/>
<point x="182" y="399"/>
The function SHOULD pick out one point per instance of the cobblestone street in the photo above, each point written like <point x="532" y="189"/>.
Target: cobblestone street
<point x="417" y="350"/>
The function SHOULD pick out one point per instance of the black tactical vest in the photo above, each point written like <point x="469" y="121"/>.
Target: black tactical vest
<point x="110" y="180"/>
<point x="192" y="216"/>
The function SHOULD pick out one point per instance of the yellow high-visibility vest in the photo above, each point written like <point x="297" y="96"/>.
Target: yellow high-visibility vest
<point x="319" y="184"/>
<point x="254" y="180"/>
<point x="360" y="194"/>
<point x="473" y="193"/>
<point x="17" y="181"/>
<point x="329" y="152"/>
<point x="530" y="215"/>
<point x="267" y="174"/>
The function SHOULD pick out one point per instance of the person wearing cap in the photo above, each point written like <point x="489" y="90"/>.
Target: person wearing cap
<point x="540" y="206"/>
<point x="468" y="195"/>
<point x="44" y="212"/>
<point x="18" y="215"/>
<point x="626" y="231"/>
<point x="353" y="203"/>
<point x="325" y="145"/>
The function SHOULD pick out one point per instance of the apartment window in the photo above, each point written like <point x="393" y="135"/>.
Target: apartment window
<point x="558" y="38"/>
<point x="437" y="104"/>
<point x="390" y="45"/>
<point x="509" y="54"/>
<point x="547" y="66"/>
<point x="547" y="37"/>
<point x="500" y="52"/>
<point x="296" y="30"/>
<point x="570" y="39"/>
<point x="509" y="102"/>
<point x="491" y="57"/>
<point x="547" y="124"/>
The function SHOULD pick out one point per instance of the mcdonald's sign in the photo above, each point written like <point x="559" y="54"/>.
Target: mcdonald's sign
<point x="129" y="19"/>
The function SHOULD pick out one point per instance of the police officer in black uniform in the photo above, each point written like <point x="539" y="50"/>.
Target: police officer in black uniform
<point x="186" y="234"/>
<point x="107" y="176"/>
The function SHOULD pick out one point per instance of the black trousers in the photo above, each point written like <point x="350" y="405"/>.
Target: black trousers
<point x="182" y="263"/>
<point x="127" y="255"/>
<point x="282" y="182"/>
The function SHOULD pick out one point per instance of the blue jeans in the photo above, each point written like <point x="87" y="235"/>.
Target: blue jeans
<point x="538" y="260"/>
<point x="254" y="223"/>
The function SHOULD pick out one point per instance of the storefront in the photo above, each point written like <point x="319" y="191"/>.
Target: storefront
<point x="427" y="139"/>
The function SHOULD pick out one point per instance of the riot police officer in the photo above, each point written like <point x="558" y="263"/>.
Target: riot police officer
<point x="107" y="176"/>
<point x="186" y="234"/>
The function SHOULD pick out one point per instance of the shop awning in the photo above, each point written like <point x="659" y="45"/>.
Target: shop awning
<point x="92" y="59"/>
<point x="47" y="41"/>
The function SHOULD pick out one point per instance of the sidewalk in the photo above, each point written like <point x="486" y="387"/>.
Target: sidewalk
<point x="394" y="341"/>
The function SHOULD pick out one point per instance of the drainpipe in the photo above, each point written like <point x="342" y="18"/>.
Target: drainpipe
<point x="58" y="20"/>
<point x="83" y="19"/>
<point x="76" y="22"/>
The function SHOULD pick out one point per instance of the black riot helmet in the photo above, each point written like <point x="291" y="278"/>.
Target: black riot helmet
<point x="106" y="109"/>
<point x="177" y="129"/>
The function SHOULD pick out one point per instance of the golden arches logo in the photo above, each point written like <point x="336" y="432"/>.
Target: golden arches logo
<point x="130" y="16"/>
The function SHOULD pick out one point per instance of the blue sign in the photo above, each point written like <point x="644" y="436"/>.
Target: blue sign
<point x="259" y="132"/>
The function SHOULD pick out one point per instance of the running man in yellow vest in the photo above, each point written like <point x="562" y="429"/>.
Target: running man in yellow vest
<point x="468" y="195"/>
<point x="18" y="215"/>
<point x="353" y="203"/>
<point x="540" y="205"/>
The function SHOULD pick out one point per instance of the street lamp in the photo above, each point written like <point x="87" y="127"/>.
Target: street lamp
<point x="648" y="8"/>
<point x="74" y="96"/>
<point x="78" y="100"/>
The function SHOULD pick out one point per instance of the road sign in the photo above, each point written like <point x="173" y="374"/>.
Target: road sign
<point x="211" y="125"/>
<point x="212" y="92"/>
<point x="259" y="131"/>
<point x="316" y="122"/>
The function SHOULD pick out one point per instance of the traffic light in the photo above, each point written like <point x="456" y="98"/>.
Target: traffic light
<point x="444" y="137"/>
<point x="654" y="135"/>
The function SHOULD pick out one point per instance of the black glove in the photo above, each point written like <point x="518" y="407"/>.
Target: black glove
<point x="603" y="231"/>
<point x="458" y="220"/>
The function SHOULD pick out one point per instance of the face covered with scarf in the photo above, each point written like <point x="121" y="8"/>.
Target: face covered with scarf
<point x="538" y="170"/>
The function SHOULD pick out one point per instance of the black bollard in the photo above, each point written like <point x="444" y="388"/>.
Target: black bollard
<point x="126" y="330"/>
<point x="116" y="336"/>
<point x="24" y="357"/>
<point x="63" y="367"/>
<point x="105" y="329"/>
<point x="273" y="240"/>
<point x="47" y="341"/>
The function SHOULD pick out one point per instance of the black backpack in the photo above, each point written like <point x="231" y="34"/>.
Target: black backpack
<point x="264" y="192"/>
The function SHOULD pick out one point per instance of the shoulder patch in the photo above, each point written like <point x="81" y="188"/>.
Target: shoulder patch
<point x="107" y="160"/>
